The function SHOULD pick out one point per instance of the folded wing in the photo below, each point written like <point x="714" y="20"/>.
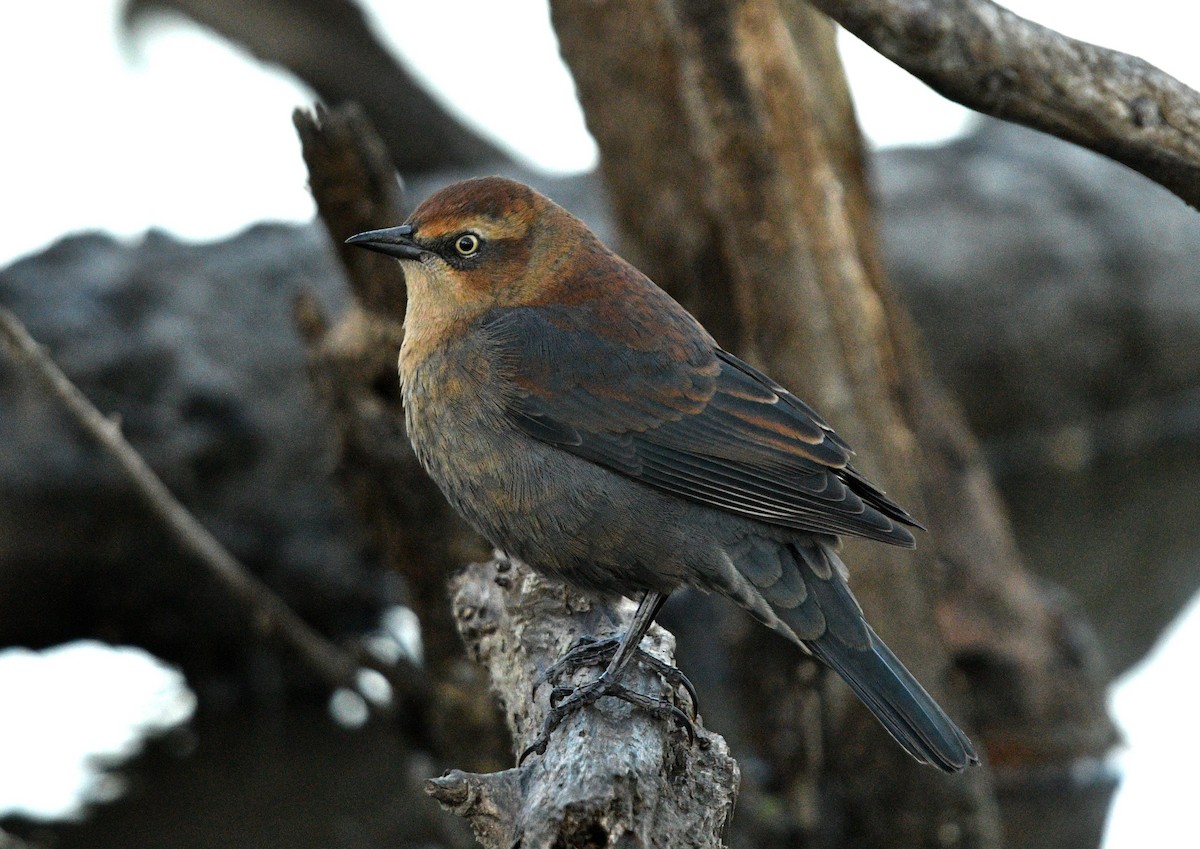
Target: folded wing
<point x="668" y="408"/>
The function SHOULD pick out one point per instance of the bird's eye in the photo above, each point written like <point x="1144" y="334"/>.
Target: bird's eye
<point x="467" y="244"/>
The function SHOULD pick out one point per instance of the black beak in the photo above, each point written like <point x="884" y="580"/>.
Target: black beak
<point x="393" y="241"/>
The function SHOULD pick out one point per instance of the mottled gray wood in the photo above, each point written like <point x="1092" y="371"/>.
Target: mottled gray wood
<point x="611" y="776"/>
<point x="989" y="59"/>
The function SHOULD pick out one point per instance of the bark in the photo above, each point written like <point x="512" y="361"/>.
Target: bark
<point x="985" y="57"/>
<point x="813" y="319"/>
<point x="353" y="365"/>
<point x="744" y="132"/>
<point x="611" y="775"/>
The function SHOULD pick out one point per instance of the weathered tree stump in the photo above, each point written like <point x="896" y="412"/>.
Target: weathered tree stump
<point x="611" y="774"/>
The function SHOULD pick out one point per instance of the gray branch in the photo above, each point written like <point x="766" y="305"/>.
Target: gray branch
<point x="985" y="57"/>
<point x="611" y="776"/>
<point x="271" y="615"/>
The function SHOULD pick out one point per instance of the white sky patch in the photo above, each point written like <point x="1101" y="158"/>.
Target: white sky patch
<point x="184" y="132"/>
<point x="181" y="131"/>
<point x="1157" y="704"/>
<point x="521" y="95"/>
<point x="69" y="711"/>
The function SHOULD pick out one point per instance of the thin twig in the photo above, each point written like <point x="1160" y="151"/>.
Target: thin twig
<point x="272" y="617"/>
<point x="991" y="60"/>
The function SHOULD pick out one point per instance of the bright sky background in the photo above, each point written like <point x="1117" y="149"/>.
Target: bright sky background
<point x="67" y="710"/>
<point x="180" y="131"/>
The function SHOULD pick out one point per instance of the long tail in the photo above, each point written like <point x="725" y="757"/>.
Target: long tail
<point x="805" y="585"/>
<point x="898" y="701"/>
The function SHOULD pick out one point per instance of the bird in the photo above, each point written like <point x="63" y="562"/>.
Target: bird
<point x="585" y="423"/>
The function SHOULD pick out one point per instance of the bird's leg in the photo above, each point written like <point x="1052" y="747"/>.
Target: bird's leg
<point x="585" y="651"/>
<point x="564" y="700"/>
<point x="588" y="651"/>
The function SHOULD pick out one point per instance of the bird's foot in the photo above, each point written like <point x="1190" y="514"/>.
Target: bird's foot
<point x="588" y="651"/>
<point x="564" y="701"/>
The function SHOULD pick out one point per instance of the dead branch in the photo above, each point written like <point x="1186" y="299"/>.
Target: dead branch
<point x="270" y="615"/>
<point x="353" y="368"/>
<point x="803" y="280"/>
<point x="987" y="58"/>
<point x="356" y="188"/>
<point x="611" y="776"/>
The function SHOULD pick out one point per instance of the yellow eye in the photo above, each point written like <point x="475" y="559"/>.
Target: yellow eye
<point x="467" y="244"/>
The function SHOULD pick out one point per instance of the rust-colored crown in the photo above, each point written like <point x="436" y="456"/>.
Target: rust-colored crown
<point x="497" y="199"/>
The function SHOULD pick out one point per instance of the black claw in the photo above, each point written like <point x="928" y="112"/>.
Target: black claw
<point x="692" y="697"/>
<point x="589" y="651"/>
<point x="674" y="678"/>
<point x="558" y="694"/>
<point x="538" y="747"/>
<point x="657" y="708"/>
<point x="687" y="724"/>
<point x="564" y="701"/>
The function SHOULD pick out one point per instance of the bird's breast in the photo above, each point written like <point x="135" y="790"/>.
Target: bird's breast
<point x="447" y="411"/>
<point x="456" y="420"/>
<point x="563" y="515"/>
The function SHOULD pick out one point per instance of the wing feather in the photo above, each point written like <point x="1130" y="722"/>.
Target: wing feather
<point x="679" y="414"/>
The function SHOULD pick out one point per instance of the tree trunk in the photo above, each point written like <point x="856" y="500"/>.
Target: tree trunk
<point x="730" y="147"/>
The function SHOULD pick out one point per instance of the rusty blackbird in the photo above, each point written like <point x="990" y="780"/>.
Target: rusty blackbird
<point x="584" y="422"/>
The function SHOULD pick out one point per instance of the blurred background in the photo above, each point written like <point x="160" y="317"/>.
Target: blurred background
<point x="137" y="134"/>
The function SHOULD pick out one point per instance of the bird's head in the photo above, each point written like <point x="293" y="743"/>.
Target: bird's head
<point x="483" y="243"/>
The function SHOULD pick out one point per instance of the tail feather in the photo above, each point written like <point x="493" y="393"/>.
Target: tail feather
<point x="800" y="590"/>
<point x="898" y="701"/>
